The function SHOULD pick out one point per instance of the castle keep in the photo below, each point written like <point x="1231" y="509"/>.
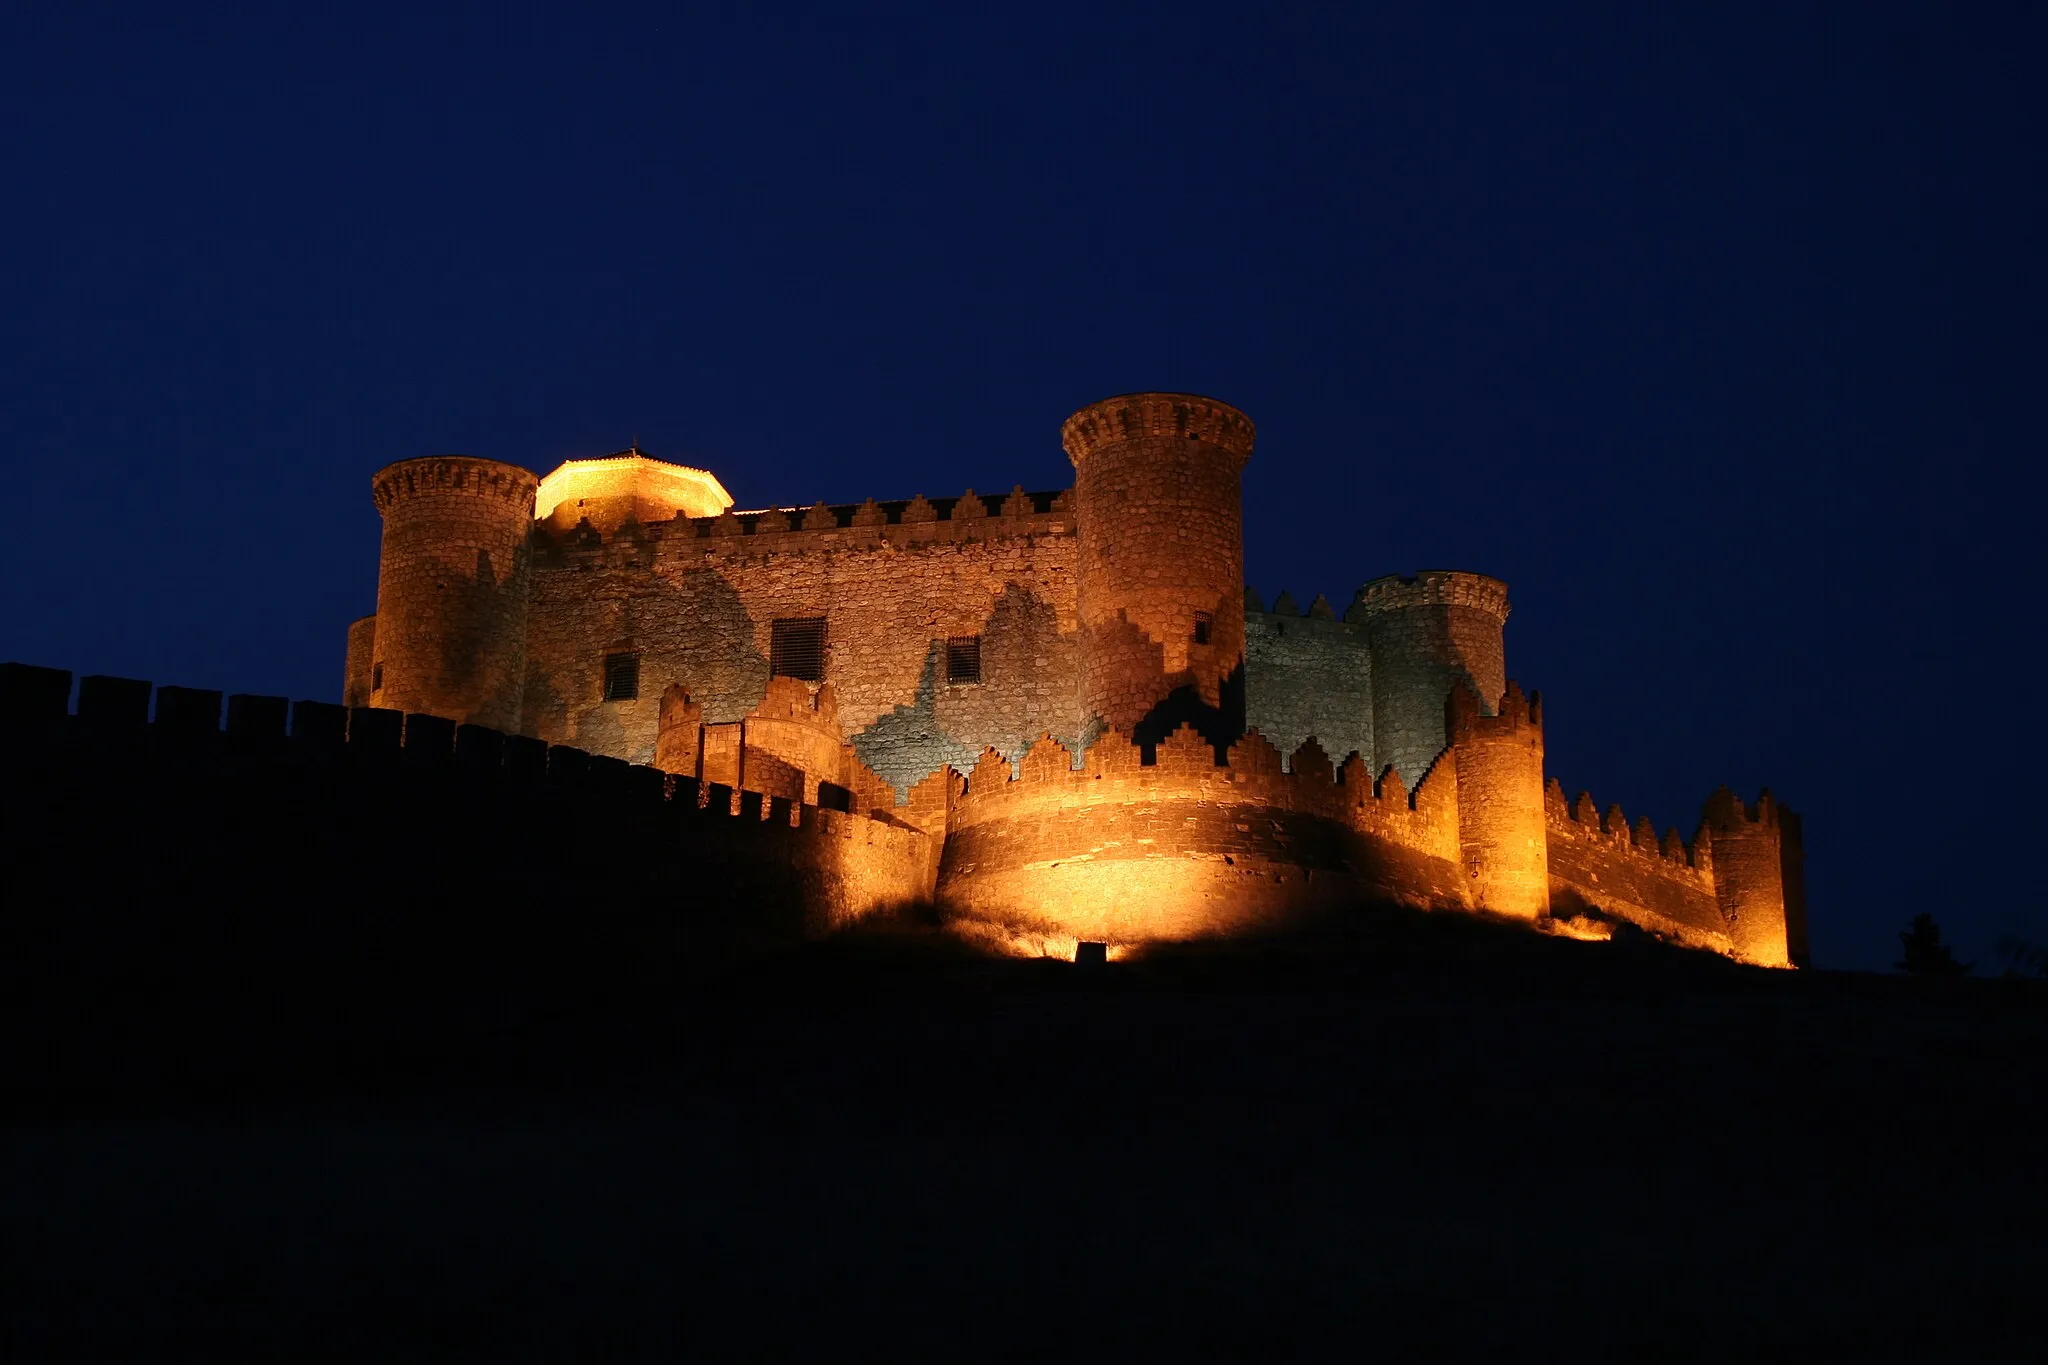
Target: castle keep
<point x="1068" y="695"/>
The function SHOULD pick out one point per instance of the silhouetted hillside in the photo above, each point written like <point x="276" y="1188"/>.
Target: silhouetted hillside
<point x="387" y="1063"/>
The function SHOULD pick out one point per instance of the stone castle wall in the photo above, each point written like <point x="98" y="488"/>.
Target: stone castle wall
<point x="696" y="600"/>
<point x="1430" y="633"/>
<point x="1600" y="864"/>
<point x="699" y="613"/>
<point x="1308" y="675"/>
<point x="1132" y="844"/>
<point x="1738" y="888"/>
<point x="795" y="734"/>
<point x="784" y="867"/>
<point x="1123" y="849"/>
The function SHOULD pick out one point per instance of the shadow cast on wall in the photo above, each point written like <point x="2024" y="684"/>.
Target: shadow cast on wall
<point x="693" y="629"/>
<point x="907" y="744"/>
<point x="500" y="601"/>
<point x="1027" y="668"/>
<point x="1129" y="662"/>
<point x="1222" y="724"/>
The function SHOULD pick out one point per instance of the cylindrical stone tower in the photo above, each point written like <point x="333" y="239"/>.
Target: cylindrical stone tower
<point x="1427" y="634"/>
<point x="360" y="672"/>
<point x="1501" y="829"/>
<point x="1749" y="875"/>
<point x="451" y="588"/>
<point x="1161" y="560"/>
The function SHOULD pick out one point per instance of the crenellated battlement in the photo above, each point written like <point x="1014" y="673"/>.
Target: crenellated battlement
<point x="795" y="700"/>
<point x="481" y="478"/>
<point x="790" y="745"/>
<point x="1137" y="416"/>
<point x="1432" y="587"/>
<point x="1319" y="614"/>
<point x="1727" y="815"/>
<point x="863" y="861"/>
<point x="1516" y="715"/>
<point x="1133" y="845"/>
<point x="901" y="523"/>
<point x="1581" y="820"/>
<point x="1726" y="890"/>
<point x="1184" y="767"/>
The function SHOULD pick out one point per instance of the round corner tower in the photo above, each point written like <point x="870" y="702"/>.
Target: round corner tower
<point x="1748" y="855"/>
<point x="1160" y="576"/>
<point x="451" y="588"/>
<point x="1501" y="827"/>
<point x="1428" y="634"/>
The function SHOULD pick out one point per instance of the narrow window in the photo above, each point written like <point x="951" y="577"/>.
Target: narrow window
<point x="963" y="659"/>
<point x="621" y="677"/>
<point x="796" y="648"/>
<point x="1201" y="627"/>
<point x="377" y="676"/>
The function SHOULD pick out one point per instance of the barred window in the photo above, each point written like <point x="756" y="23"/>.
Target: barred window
<point x="1201" y="627"/>
<point x="621" y="677"/>
<point x="963" y="659"/>
<point x="796" y="648"/>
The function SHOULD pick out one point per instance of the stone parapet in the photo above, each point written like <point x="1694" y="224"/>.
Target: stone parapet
<point x="820" y="528"/>
<point x="1581" y="821"/>
<point x="453" y="474"/>
<point x="1136" y="416"/>
<point x="1129" y="850"/>
<point x="1721" y="892"/>
<point x="1252" y="773"/>
<point x="1432" y="588"/>
<point x="847" y="862"/>
<point x="1307" y="675"/>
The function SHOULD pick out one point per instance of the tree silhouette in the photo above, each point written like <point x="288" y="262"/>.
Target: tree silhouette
<point x="1925" y="953"/>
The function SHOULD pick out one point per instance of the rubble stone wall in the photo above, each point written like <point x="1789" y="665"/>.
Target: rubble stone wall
<point x="696" y="601"/>
<point x="1308" y="677"/>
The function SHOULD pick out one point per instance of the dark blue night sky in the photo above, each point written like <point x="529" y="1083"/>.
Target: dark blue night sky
<point x="1716" y="330"/>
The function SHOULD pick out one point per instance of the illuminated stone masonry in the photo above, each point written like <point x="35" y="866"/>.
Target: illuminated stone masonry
<point x="1069" y="693"/>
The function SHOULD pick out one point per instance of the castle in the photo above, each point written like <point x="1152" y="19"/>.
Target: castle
<point x="1070" y="695"/>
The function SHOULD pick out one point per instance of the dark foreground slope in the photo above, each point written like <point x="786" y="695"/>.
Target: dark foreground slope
<point x="1424" y="1137"/>
<point x="312" y="1058"/>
